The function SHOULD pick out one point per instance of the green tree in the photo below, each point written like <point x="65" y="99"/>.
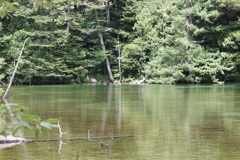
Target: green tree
<point x="226" y="34"/>
<point x="166" y="45"/>
<point x="7" y="8"/>
<point x="157" y="41"/>
<point x="133" y="51"/>
<point x="1" y="63"/>
<point x="103" y="29"/>
<point x="46" y="60"/>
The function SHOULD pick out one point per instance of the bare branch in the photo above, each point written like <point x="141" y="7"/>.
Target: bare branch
<point x="60" y="130"/>
<point x="15" y="69"/>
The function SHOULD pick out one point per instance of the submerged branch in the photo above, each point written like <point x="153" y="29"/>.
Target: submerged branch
<point x="82" y="138"/>
<point x="4" y="140"/>
<point x="10" y="140"/>
<point x="60" y="130"/>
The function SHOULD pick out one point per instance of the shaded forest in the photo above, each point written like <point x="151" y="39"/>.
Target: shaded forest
<point x="130" y="41"/>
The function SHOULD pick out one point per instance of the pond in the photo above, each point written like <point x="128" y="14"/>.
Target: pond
<point x="168" y="122"/>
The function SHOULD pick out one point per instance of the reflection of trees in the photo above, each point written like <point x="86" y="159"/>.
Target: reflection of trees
<point x="119" y="111"/>
<point x="114" y="103"/>
<point x="106" y="109"/>
<point x="171" y="120"/>
<point x="167" y="121"/>
<point x="83" y="107"/>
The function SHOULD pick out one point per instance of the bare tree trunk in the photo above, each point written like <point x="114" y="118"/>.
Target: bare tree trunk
<point x="104" y="48"/>
<point x="15" y="69"/>
<point x="108" y="13"/>
<point x="119" y="61"/>
<point x="109" y="70"/>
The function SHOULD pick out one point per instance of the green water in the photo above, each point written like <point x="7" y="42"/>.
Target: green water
<point x="180" y="122"/>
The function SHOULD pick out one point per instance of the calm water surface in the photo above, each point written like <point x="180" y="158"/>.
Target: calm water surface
<point x="180" y="122"/>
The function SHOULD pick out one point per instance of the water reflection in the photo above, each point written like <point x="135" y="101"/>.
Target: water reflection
<point x="167" y="122"/>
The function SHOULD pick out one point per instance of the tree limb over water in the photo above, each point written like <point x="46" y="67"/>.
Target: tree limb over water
<point x="15" y="69"/>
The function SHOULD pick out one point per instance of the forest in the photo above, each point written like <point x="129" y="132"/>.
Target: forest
<point x="120" y="41"/>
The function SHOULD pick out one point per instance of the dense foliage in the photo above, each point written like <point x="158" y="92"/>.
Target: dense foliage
<point x="160" y="41"/>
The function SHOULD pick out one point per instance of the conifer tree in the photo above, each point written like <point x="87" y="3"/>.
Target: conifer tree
<point x="48" y="58"/>
<point x="227" y="30"/>
<point x="158" y="41"/>
<point x="166" y="34"/>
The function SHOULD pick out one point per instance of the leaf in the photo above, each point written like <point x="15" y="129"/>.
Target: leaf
<point x="32" y="118"/>
<point x="54" y="126"/>
<point x="25" y="124"/>
<point x="15" y="130"/>
<point x="52" y="120"/>
<point x="46" y="125"/>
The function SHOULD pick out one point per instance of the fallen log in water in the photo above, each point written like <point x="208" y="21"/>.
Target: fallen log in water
<point x="9" y="141"/>
<point x="83" y="138"/>
<point x="12" y="139"/>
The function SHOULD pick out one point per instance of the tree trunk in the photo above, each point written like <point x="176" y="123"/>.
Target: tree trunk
<point x="189" y="22"/>
<point x="104" y="48"/>
<point x="119" y="61"/>
<point x="108" y="13"/>
<point x="189" y="18"/>
<point x="15" y="69"/>
<point x="68" y="15"/>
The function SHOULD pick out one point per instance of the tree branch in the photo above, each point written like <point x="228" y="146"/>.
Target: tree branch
<point x="15" y="69"/>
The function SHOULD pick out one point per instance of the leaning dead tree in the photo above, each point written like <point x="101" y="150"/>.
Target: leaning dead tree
<point x="103" y="47"/>
<point x="15" y="69"/>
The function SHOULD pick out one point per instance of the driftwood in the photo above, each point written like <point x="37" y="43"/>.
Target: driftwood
<point x="12" y="139"/>
<point x="131" y="81"/>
